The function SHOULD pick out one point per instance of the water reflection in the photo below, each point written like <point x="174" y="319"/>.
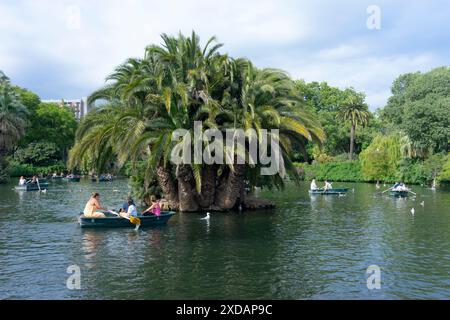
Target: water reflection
<point x="310" y="247"/>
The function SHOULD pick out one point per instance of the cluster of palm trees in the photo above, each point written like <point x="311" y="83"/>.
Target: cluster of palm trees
<point x="13" y="118"/>
<point x="175" y="84"/>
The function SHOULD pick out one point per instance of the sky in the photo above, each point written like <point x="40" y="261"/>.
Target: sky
<point x="65" y="49"/>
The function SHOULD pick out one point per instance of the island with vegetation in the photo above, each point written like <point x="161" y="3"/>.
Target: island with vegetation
<point x="326" y="133"/>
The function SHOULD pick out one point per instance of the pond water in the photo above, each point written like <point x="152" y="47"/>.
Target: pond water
<point x="310" y="247"/>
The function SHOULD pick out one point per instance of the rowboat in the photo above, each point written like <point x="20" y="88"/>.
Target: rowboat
<point x="32" y="186"/>
<point x="102" y="179"/>
<point x="74" y="179"/>
<point x="399" y="193"/>
<point x="119" y="222"/>
<point x="329" y="191"/>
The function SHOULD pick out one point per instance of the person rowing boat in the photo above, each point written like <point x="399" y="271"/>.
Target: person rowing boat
<point x="327" y="186"/>
<point x="92" y="207"/>
<point x="313" y="185"/>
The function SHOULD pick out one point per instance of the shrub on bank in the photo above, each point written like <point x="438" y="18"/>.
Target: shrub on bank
<point x="16" y="169"/>
<point x="349" y="171"/>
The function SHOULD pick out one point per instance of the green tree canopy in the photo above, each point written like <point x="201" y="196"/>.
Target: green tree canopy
<point x="420" y="107"/>
<point x="380" y="159"/>
<point x="38" y="154"/>
<point x="54" y="124"/>
<point x="171" y="87"/>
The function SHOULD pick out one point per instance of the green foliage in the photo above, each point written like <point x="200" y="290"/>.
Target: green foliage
<point x="29" y="99"/>
<point x="427" y="123"/>
<point x="410" y="171"/>
<point x="54" y="124"/>
<point x="179" y="83"/>
<point x="13" y="116"/>
<point x="326" y="101"/>
<point x="143" y="186"/>
<point x="335" y="171"/>
<point x="16" y="169"/>
<point x="38" y="154"/>
<point x="380" y="159"/>
<point x="444" y="175"/>
<point x="419" y="106"/>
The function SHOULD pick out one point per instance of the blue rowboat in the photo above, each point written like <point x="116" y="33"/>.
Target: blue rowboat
<point x="119" y="222"/>
<point x="329" y="191"/>
<point x="399" y="194"/>
<point x="32" y="186"/>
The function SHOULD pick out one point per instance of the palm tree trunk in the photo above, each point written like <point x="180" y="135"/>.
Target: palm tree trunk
<point x="206" y="197"/>
<point x="168" y="186"/>
<point x="231" y="189"/>
<point x="187" y="194"/>
<point x="352" y="141"/>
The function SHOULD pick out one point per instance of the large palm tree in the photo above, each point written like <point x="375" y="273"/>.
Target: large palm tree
<point x="171" y="87"/>
<point x="12" y="117"/>
<point x="354" y="112"/>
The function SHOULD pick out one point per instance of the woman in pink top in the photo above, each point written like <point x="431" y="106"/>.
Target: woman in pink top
<point x="155" y="208"/>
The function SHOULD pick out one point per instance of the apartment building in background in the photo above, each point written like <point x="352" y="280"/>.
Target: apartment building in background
<point x="80" y="107"/>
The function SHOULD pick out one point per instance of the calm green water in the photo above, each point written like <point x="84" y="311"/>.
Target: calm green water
<point x="309" y="248"/>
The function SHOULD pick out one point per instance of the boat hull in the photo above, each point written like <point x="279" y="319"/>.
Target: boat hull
<point x="329" y="191"/>
<point x="72" y="179"/>
<point x="32" y="187"/>
<point x="399" y="194"/>
<point x="101" y="180"/>
<point x="117" y="222"/>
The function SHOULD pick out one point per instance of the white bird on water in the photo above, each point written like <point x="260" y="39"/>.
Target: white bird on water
<point x="207" y="216"/>
<point x="44" y="191"/>
<point x="412" y="211"/>
<point x="422" y="203"/>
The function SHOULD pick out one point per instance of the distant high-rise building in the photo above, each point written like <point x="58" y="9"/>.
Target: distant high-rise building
<point x="80" y="107"/>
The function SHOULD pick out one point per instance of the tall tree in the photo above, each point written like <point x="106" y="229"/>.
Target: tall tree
<point x="171" y="87"/>
<point x="53" y="124"/>
<point x="419" y="106"/>
<point x="354" y="112"/>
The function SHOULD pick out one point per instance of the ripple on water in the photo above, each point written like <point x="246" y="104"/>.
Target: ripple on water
<point x="309" y="248"/>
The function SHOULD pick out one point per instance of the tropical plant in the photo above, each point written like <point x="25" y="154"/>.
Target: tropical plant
<point x="12" y="117"/>
<point x="175" y="85"/>
<point x="354" y="112"/>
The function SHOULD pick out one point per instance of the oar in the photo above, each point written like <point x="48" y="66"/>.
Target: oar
<point x="387" y="190"/>
<point x="133" y="220"/>
<point x="37" y="180"/>
<point x="412" y="192"/>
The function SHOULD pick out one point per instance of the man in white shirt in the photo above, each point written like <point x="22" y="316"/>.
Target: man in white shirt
<point x="313" y="185"/>
<point x="22" y="181"/>
<point x="132" y="210"/>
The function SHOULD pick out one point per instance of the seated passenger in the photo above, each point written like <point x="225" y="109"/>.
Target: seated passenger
<point x="154" y="209"/>
<point x="131" y="210"/>
<point x="22" y="181"/>
<point x="327" y="186"/>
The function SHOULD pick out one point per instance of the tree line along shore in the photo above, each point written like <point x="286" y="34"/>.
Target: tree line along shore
<point x="326" y="133"/>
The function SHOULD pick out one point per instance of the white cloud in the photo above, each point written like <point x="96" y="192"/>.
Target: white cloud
<point x="317" y="41"/>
